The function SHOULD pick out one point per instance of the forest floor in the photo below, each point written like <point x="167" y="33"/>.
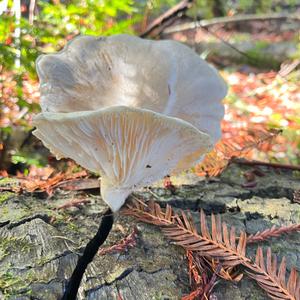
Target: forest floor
<point x="41" y="237"/>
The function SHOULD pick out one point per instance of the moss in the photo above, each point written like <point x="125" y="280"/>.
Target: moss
<point x="13" y="244"/>
<point x="163" y="296"/>
<point x="260" y="58"/>
<point x="8" y="181"/>
<point x="43" y="260"/>
<point x="73" y="227"/>
<point x="296" y="174"/>
<point x="296" y="55"/>
<point x="14" y="214"/>
<point x="5" y="196"/>
<point x="115" y="273"/>
<point x="4" y="211"/>
<point x="12" y="285"/>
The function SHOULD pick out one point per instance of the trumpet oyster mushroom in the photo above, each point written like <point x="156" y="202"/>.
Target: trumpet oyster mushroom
<point x="96" y="74"/>
<point x="162" y="76"/>
<point x="130" y="109"/>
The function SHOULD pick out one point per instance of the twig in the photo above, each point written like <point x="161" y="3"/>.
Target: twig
<point x="213" y="281"/>
<point x="32" y="7"/>
<point x="262" y="163"/>
<point x="199" y="278"/>
<point x="272" y="232"/>
<point x="153" y="194"/>
<point x="181" y="7"/>
<point x="124" y="244"/>
<point x="286" y="69"/>
<point x="233" y="19"/>
<point x="74" y="203"/>
<point x="78" y="184"/>
<point x="245" y="54"/>
<point x="63" y="238"/>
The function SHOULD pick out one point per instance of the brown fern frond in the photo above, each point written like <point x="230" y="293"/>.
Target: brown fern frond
<point x="151" y="213"/>
<point x="255" y="139"/>
<point x="213" y="164"/>
<point x="272" y="232"/>
<point x="219" y="244"/>
<point x="238" y="146"/>
<point x="272" y="278"/>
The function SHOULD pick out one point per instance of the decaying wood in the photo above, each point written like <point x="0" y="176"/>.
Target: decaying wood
<point x="267" y="164"/>
<point x="181" y="7"/>
<point x="227" y="150"/>
<point x="233" y="19"/>
<point x="40" y="245"/>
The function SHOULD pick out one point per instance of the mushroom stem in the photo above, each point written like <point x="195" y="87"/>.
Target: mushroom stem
<point x="90" y="251"/>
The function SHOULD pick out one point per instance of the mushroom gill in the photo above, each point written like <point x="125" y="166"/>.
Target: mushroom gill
<point x="129" y="147"/>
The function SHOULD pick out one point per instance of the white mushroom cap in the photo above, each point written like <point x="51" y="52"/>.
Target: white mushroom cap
<point x="162" y="76"/>
<point x="130" y="147"/>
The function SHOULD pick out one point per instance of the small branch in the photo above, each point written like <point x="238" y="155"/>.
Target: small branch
<point x="286" y="69"/>
<point x="181" y="7"/>
<point x="73" y="203"/>
<point x="32" y="7"/>
<point x="78" y="184"/>
<point x="248" y="57"/>
<point x="126" y="243"/>
<point x="262" y="163"/>
<point x="233" y="19"/>
<point x="272" y="232"/>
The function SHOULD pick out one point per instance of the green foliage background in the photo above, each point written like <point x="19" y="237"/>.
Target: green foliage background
<point x="57" y="22"/>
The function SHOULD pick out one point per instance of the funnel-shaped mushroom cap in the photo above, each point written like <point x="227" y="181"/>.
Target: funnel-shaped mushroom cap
<point x="130" y="147"/>
<point x="162" y="76"/>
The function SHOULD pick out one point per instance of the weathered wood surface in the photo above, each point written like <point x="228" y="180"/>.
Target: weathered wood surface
<point x="39" y="246"/>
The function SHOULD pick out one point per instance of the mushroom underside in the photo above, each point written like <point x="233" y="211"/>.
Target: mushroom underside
<point x="129" y="147"/>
